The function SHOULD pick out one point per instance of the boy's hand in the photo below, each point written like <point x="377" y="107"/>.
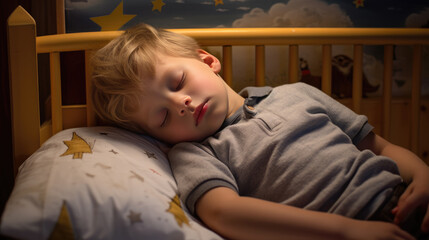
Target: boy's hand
<point x="415" y="196"/>
<point x="413" y="170"/>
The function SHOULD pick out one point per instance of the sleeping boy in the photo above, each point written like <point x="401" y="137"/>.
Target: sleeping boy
<point x="265" y="163"/>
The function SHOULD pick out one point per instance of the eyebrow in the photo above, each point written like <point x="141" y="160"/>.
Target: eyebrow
<point x="168" y="74"/>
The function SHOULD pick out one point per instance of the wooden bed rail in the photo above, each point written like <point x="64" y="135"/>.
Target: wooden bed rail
<point x="251" y="37"/>
<point x="24" y="47"/>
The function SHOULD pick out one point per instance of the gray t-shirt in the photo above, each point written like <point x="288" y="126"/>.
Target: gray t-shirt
<point x="292" y="145"/>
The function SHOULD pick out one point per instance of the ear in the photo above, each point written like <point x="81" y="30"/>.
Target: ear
<point x="210" y="60"/>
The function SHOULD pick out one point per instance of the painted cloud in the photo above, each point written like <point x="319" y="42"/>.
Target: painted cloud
<point x="296" y="13"/>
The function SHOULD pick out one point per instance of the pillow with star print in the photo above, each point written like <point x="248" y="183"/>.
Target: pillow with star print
<point x="98" y="182"/>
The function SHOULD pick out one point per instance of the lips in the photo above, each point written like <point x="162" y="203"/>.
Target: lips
<point x="200" y="112"/>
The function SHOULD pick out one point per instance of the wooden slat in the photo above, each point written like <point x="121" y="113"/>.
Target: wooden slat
<point x="387" y="90"/>
<point x="227" y="64"/>
<point x="45" y="131"/>
<point x="415" y="98"/>
<point x="293" y="63"/>
<point x="74" y="116"/>
<point x="260" y="65"/>
<point x="327" y="69"/>
<point x="60" y="11"/>
<point x="90" y="114"/>
<point x="357" y="77"/>
<point x="57" y="115"/>
<point x="24" y="86"/>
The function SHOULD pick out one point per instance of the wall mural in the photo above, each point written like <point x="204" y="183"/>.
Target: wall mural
<point x="105" y="15"/>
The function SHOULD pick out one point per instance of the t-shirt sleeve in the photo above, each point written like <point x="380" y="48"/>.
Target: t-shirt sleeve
<point x="354" y="125"/>
<point x="197" y="171"/>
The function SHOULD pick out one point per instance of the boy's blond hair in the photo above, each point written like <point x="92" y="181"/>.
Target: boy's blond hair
<point x="118" y="69"/>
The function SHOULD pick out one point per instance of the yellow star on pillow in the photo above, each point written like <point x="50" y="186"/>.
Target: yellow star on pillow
<point x="177" y="211"/>
<point x="76" y="147"/>
<point x="63" y="229"/>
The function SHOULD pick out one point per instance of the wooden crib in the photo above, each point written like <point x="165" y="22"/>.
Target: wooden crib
<point x="403" y="121"/>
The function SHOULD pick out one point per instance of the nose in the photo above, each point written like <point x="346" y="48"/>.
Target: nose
<point x="183" y="104"/>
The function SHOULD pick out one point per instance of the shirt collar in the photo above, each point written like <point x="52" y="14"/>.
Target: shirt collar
<point x="252" y="95"/>
<point x="255" y="92"/>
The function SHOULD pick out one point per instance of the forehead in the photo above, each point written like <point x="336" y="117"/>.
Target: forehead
<point x="151" y="68"/>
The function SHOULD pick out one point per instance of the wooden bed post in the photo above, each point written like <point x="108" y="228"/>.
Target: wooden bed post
<point x="387" y="90"/>
<point x="227" y="64"/>
<point x="293" y="63"/>
<point x="22" y="54"/>
<point x="260" y="65"/>
<point x="91" y="120"/>
<point x="415" y="98"/>
<point x="327" y="69"/>
<point x="357" y="78"/>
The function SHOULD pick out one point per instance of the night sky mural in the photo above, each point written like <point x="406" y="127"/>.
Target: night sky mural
<point x="102" y="15"/>
<point x="93" y="15"/>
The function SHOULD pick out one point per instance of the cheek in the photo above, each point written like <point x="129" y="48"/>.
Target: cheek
<point x="209" y="87"/>
<point x="207" y="80"/>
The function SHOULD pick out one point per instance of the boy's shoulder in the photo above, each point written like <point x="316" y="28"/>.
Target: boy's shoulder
<point x="297" y="87"/>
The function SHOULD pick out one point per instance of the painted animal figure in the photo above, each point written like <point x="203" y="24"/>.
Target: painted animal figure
<point x="342" y="77"/>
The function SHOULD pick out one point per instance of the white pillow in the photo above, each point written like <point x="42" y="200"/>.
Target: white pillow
<point x="98" y="183"/>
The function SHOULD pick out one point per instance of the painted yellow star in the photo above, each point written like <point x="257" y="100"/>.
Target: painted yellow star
<point x="358" y="3"/>
<point x="177" y="211"/>
<point x="76" y="147"/>
<point x="157" y="5"/>
<point x="115" y="20"/>
<point x="217" y="2"/>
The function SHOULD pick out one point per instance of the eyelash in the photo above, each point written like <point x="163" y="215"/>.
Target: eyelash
<point x="181" y="81"/>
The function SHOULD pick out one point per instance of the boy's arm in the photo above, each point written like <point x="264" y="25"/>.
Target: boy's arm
<point x="237" y="217"/>
<point x="412" y="169"/>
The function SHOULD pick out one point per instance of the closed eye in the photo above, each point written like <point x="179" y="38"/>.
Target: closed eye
<point x="182" y="80"/>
